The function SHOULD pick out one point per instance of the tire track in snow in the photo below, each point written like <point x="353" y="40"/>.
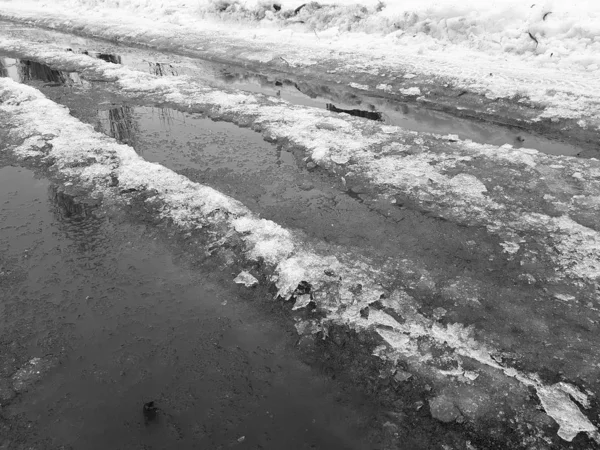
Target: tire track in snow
<point x="44" y="132"/>
<point x="542" y="204"/>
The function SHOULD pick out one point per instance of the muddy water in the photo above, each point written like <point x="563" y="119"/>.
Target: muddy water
<point x="277" y="185"/>
<point x="333" y="97"/>
<point x="121" y="321"/>
<point x="273" y="183"/>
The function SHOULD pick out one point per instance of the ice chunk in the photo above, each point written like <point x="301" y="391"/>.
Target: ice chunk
<point x="246" y="279"/>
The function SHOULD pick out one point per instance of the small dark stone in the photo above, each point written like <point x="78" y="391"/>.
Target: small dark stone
<point x="276" y="7"/>
<point x="150" y="411"/>
<point x="356" y="288"/>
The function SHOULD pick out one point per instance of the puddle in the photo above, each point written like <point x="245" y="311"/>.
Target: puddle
<point x="24" y="71"/>
<point x="129" y="323"/>
<point x="239" y="163"/>
<point x="371" y="115"/>
<point x="408" y="116"/>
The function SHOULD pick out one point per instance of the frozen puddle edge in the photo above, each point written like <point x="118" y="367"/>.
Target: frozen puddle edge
<point x="41" y="131"/>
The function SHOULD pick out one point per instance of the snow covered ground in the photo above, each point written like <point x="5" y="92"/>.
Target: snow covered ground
<point x="540" y="212"/>
<point x="542" y="58"/>
<point x="462" y="369"/>
<point x="546" y="33"/>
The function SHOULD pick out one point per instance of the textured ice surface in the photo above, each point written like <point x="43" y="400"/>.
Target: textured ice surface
<point x="508" y="191"/>
<point x="342" y="285"/>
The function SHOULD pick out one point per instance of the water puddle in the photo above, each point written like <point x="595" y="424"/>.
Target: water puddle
<point x="129" y="323"/>
<point x="24" y="71"/>
<point x="335" y="98"/>
<point x="371" y="115"/>
<point x="269" y="181"/>
<point x="239" y="163"/>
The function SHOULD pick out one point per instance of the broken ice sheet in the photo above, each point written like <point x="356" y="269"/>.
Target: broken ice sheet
<point x="246" y="279"/>
<point x="301" y="301"/>
<point x="558" y="405"/>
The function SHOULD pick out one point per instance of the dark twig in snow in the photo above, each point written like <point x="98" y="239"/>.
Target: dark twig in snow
<point x="533" y="37"/>
<point x="546" y="15"/>
<point x="299" y="8"/>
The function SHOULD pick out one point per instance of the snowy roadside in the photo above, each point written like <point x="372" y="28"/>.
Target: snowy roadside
<point x="557" y="96"/>
<point x="539" y="212"/>
<point x="543" y="208"/>
<point x="470" y="381"/>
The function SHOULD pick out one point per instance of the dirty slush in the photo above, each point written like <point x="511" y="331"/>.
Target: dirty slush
<point x="209" y="252"/>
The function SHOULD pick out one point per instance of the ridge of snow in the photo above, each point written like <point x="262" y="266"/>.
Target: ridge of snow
<point x="452" y="178"/>
<point x="48" y="133"/>
<point x="558" y="76"/>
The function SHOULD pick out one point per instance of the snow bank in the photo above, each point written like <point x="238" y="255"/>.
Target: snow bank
<point x="547" y="30"/>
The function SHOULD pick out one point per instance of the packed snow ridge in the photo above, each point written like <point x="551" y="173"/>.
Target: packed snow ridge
<point x="43" y="131"/>
<point x="468" y="183"/>
<point x="548" y="31"/>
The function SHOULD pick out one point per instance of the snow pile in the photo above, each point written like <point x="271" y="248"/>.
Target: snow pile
<point x="549" y="30"/>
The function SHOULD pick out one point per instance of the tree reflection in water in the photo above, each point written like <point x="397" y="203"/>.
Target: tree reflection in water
<point x="78" y="218"/>
<point x="3" y="68"/>
<point x="161" y="69"/>
<point x="115" y="59"/>
<point x="120" y="124"/>
<point x="31" y="70"/>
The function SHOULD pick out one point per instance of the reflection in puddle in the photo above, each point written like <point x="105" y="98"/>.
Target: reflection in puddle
<point x="120" y="124"/>
<point x="66" y="208"/>
<point x="161" y="69"/>
<point x="371" y="115"/>
<point x="332" y="97"/>
<point x="31" y="70"/>
<point x="313" y="94"/>
<point x="78" y="222"/>
<point x="23" y="71"/>
<point x="134" y="320"/>
<point x="410" y="117"/>
<point x="187" y="141"/>
<point x="115" y="59"/>
<point x="127" y="123"/>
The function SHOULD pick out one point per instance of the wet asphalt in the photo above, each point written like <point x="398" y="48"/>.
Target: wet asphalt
<point x="119" y="318"/>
